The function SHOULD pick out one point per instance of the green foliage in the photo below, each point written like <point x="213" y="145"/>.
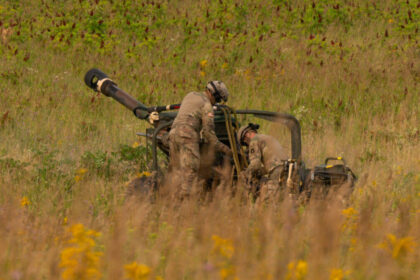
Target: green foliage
<point x="121" y="162"/>
<point x="98" y="161"/>
<point x="10" y="163"/>
<point x="140" y="156"/>
<point x="103" y="25"/>
<point x="49" y="171"/>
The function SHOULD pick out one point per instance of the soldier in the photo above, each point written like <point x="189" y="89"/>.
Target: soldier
<point x="266" y="157"/>
<point x="193" y="125"/>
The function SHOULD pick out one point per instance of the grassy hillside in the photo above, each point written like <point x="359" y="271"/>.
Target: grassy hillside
<point x="348" y="70"/>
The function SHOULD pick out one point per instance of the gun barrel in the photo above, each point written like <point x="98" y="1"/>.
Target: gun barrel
<point x="147" y="135"/>
<point x="99" y="81"/>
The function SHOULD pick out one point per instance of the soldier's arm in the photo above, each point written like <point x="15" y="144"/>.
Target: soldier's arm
<point x="255" y="163"/>
<point x="208" y="130"/>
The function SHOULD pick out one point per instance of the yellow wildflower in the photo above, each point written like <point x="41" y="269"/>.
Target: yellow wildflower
<point x="349" y="212"/>
<point x="203" y="63"/>
<point x="390" y="20"/>
<point x="297" y="271"/>
<point x="223" y="251"/>
<point x="353" y="243"/>
<point x="351" y="219"/>
<point x="24" y="201"/>
<point x="82" y="235"/>
<point x="225" y="65"/>
<point x="247" y="74"/>
<point x="398" y="247"/>
<point x="135" y="271"/>
<point x="224" y="247"/>
<point x="338" y="274"/>
<point x="80" y="260"/>
<point x="301" y="269"/>
<point x="135" y="145"/>
<point x="144" y="174"/>
<point x="202" y="73"/>
<point x="65" y="221"/>
<point x="82" y="171"/>
<point x="228" y="272"/>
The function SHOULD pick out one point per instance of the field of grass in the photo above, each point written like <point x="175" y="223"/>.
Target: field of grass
<point x="349" y="70"/>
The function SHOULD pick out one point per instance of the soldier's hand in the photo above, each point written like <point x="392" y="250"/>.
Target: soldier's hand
<point x="228" y="152"/>
<point x="244" y="181"/>
<point x="153" y="117"/>
<point x="242" y="178"/>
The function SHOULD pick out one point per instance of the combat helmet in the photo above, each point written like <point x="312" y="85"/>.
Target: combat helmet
<point x="219" y="90"/>
<point x="244" y="129"/>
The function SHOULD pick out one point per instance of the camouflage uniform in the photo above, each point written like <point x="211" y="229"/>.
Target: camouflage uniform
<point x="193" y="124"/>
<point x="265" y="158"/>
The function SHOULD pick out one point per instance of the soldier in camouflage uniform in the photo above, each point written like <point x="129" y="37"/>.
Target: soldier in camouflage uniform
<point x="194" y="124"/>
<point x="265" y="159"/>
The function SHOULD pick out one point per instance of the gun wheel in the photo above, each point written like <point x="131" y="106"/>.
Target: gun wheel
<point x="141" y="187"/>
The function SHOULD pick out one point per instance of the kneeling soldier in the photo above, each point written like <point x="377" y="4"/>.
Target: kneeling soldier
<point x="266" y="157"/>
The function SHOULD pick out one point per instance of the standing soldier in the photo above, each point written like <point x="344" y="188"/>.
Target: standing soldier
<point x="194" y="124"/>
<point x="266" y="157"/>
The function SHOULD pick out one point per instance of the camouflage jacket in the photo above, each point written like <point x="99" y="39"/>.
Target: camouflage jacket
<point x="195" y="121"/>
<point x="265" y="154"/>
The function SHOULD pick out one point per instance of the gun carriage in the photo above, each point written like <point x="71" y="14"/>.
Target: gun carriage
<point x="226" y="124"/>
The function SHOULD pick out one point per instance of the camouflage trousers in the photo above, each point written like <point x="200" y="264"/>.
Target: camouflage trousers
<point x="184" y="162"/>
<point x="271" y="186"/>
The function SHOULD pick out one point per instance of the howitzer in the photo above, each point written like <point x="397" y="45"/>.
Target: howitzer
<point x="226" y="124"/>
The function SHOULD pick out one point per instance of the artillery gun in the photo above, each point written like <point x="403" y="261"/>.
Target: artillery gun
<point x="301" y="180"/>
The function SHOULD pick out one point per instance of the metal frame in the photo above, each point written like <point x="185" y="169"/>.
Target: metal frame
<point x="154" y="143"/>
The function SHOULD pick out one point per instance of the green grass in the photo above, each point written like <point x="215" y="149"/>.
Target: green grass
<point x="348" y="70"/>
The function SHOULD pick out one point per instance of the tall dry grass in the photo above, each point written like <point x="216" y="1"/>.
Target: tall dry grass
<point x="63" y="163"/>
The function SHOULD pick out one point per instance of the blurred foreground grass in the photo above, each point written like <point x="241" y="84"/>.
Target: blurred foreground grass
<point x="349" y="71"/>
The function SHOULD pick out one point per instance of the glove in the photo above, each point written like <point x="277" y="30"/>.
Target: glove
<point x="154" y="116"/>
